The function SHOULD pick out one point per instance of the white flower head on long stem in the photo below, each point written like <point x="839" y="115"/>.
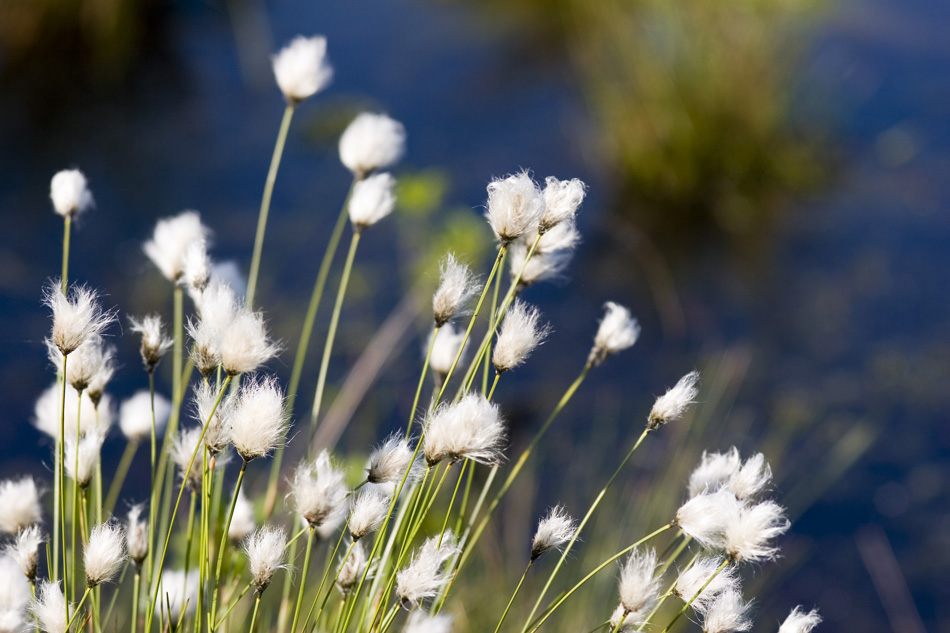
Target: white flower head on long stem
<point x="196" y="267"/>
<point x="422" y="622"/>
<point x="562" y="198"/>
<point x="69" y="191"/>
<point x="714" y="471"/>
<point x="48" y="412"/>
<point x="748" y="534"/>
<point x="49" y="608"/>
<point x="104" y="553"/>
<point x="245" y="343"/>
<point x="352" y="568"/>
<point x="182" y="449"/>
<point x="389" y="462"/>
<point x="369" y="511"/>
<point x="24" y="550"/>
<point x="471" y="428"/>
<point x="301" y="68"/>
<point x="554" y="530"/>
<point x="692" y="579"/>
<point x="751" y="479"/>
<point x="448" y="340"/>
<point x="136" y="534"/>
<point x="457" y="285"/>
<point x="543" y="265"/>
<point x="673" y="404"/>
<point x="257" y="422"/>
<point x="639" y="586"/>
<point x="14" y="597"/>
<point x="515" y="206"/>
<point x="265" y="553"/>
<point x="520" y="334"/>
<point x="85" y="362"/>
<point x="706" y="516"/>
<point x="617" y="331"/>
<point x="727" y="613"/>
<point x="371" y="142"/>
<point x="179" y="589"/>
<point x="215" y="415"/>
<point x="82" y="455"/>
<point x="242" y="521"/>
<point x="19" y="504"/>
<point x="800" y="622"/>
<point x="171" y="240"/>
<point x="372" y="200"/>
<point x="318" y="490"/>
<point x="77" y="316"/>
<point x="424" y="576"/>
<point x="154" y="342"/>
<point x="135" y="415"/>
<point x="332" y="524"/>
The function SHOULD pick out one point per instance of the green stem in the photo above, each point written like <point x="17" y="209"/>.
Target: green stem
<point x="303" y="580"/>
<point x="135" y="601"/>
<point x="257" y="606"/>
<point x="265" y="203"/>
<point x="422" y="379"/>
<point x="685" y="608"/>
<point x="69" y="620"/>
<point x="593" y="573"/>
<point x="67" y="224"/>
<point x="326" y="597"/>
<point x="62" y="483"/>
<point x="493" y="385"/>
<point x="620" y="622"/>
<point x="514" y="595"/>
<point x="580" y="528"/>
<point x="448" y="512"/>
<point x="492" y="316"/>
<point x="224" y="540"/>
<point x="224" y="616"/>
<point x="120" y="474"/>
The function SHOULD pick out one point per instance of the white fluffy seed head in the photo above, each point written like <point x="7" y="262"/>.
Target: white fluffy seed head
<point x="136" y="533"/>
<point x="104" y="553"/>
<point x="471" y="428"/>
<point x="245" y="344"/>
<point x="48" y="410"/>
<point x="554" y="530"/>
<point x="692" y="579"/>
<point x="639" y="587"/>
<point x="85" y="365"/>
<point x="562" y="198"/>
<point x="705" y="517"/>
<point x="171" y="240"/>
<point x="318" y="490"/>
<point x="372" y="200"/>
<point x="352" y="568"/>
<point x="301" y="68"/>
<point x="242" y="522"/>
<point x="19" y="504"/>
<point x="179" y="589"/>
<point x="196" y="267"/>
<point x="14" y="597"/>
<point x="424" y="577"/>
<point x="182" y="448"/>
<point x="82" y="455"/>
<point x="135" y="416"/>
<point x="76" y="317"/>
<point x="800" y="622"/>
<point x="727" y="613"/>
<point x="617" y="331"/>
<point x="422" y="622"/>
<point x="368" y="512"/>
<point x="371" y="142"/>
<point x="515" y="205"/>
<point x="445" y="349"/>
<point x="673" y="404"/>
<point x="257" y="422"/>
<point x="49" y="608"/>
<point x="748" y="534"/>
<point x="714" y="471"/>
<point x="543" y="266"/>
<point x="520" y="334"/>
<point x="208" y="411"/>
<point x="265" y="553"/>
<point x="388" y="463"/>
<point x="69" y="191"/>
<point x="457" y="285"/>
<point x="751" y="479"/>
<point x="154" y="342"/>
<point x="23" y="550"/>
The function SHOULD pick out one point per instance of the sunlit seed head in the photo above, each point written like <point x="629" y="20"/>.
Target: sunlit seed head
<point x="82" y="456"/>
<point x="373" y="198"/>
<point x="673" y="404"/>
<point x="798" y="621"/>
<point x="704" y="574"/>
<point x="136" y="533"/>
<point x="471" y="428"/>
<point x="554" y="530"/>
<point x="49" y="608"/>
<point x="422" y="622"/>
<point x="24" y="550"/>
<point x="246" y="344"/>
<point x="154" y="342"/>
<point x="714" y="471"/>
<point x="562" y="198"/>
<point x="171" y="240"/>
<point x="257" y="422"/>
<point x="265" y="553"/>
<point x="196" y="267"/>
<point x="318" y="490"/>
<point x="727" y="613"/>
<point x="369" y="511"/>
<point x="424" y="576"/>
<point x="135" y="416"/>
<point x="515" y="205"/>
<point x="301" y="68"/>
<point x="520" y="334"/>
<point x="103" y="553"/>
<point x="457" y="285"/>
<point x="749" y="534"/>
<point x="69" y="191"/>
<point x="445" y="349"/>
<point x="77" y="317"/>
<point x="390" y="461"/>
<point x="372" y="142"/>
<point x="617" y="331"/>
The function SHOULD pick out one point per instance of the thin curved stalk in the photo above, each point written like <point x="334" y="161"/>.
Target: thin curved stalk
<point x="514" y="595"/>
<point x="224" y="539"/>
<point x="303" y="581"/>
<point x="422" y="379"/>
<point x="121" y="472"/>
<point x="67" y="224"/>
<point x="686" y="606"/>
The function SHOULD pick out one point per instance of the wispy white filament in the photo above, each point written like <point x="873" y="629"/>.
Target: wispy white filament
<point x="352" y="568"/>
<point x="135" y="416"/>
<point x="257" y="423"/>
<point x="373" y="198"/>
<point x="49" y="607"/>
<point x="554" y="530"/>
<point x="705" y="517"/>
<point x="196" y="267"/>
<point x="800" y="622"/>
<point x="70" y="193"/>
<point x="369" y="511"/>
<point x="265" y="553"/>
<point x="245" y="344"/>
<point x="751" y="479"/>
<point x="104" y="553"/>
<point x="48" y="410"/>
<point x="14" y="597"/>
<point x="639" y="587"/>
<point x="562" y="198"/>
<point x="136" y="533"/>
<point x="82" y="455"/>
<point x="371" y="142"/>
<point x="318" y="489"/>
<point x="422" y="622"/>
<point x="424" y="577"/>
<point x="471" y="428"/>
<point x="727" y="613"/>
<point x="76" y="317"/>
<point x="714" y="471"/>
<point x="388" y="463"/>
<point x="242" y="521"/>
<point x="171" y="240"/>
<point x="445" y="349"/>
<point x="301" y="68"/>
<point x="673" y="404"/>
<point x="457" y="285"/>
<point x="617" y="331"/>
<point x="177" y="590"/>
<point x="692" y="579"/>
<point x="520" y="334"/>
<point x="749" y="532"/>
<point x="24" y="550"/>
<point x="154" y="342"/>
<point x="217" y="437"/>
<point x="514" y="206"/>
<point x="19" y="504"/>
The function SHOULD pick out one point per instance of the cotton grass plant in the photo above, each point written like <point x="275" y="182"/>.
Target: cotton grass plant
<point x="326" y="548"/>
